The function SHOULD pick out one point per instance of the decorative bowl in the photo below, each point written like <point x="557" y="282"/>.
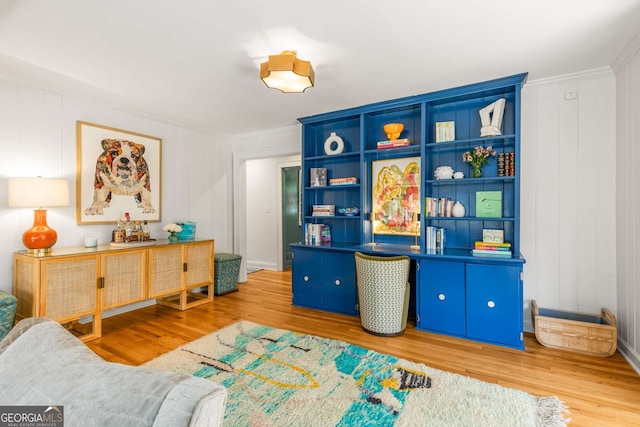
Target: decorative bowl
<point x="349" y="211"/>
<point x="393" y="130"/>
<point x="443" y="172"/>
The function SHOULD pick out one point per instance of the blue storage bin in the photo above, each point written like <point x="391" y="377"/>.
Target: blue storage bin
<point x="188" y="230"/>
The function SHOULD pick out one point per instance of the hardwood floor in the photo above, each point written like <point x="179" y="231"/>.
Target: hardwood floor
<point x="598" y="391"/>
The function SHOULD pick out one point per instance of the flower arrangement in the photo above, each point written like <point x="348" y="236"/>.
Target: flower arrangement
<point x="477" y="158"/>
<point x="172" y="229"/>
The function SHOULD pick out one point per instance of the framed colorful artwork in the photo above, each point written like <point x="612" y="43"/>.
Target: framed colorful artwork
<point x="395" y="196"/>
<point x="118" y="171"/>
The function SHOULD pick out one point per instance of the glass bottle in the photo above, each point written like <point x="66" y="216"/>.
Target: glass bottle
<point x="128" y="227"/>
<point x="146" y="234"/>
<point x="119" y="232"/>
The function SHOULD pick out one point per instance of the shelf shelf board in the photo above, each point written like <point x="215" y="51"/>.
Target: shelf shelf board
<point x="470" y="181"/>
<point x="332" y="217"/>
<point x="467" y="218"/>
<point x="334" y="156"/>
<point x="333" y="187"/>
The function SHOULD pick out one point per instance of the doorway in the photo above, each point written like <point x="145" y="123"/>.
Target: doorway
<point x="291" y="221"/>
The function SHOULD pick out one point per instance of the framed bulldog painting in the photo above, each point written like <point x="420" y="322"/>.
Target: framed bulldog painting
<point x="118" y="171"/>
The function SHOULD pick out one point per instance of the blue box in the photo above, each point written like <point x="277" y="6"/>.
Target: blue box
<point x="188" y="230"/>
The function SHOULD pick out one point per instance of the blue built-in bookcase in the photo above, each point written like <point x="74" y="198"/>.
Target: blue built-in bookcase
<point x="455" y="292"/>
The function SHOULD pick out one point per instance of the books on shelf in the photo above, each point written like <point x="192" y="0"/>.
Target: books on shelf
<point x="323" y="210"/>
<point x="350" y="180"/>
<point x="435" y="240"/>
<point x="489" y="204"/>
<point x="494" y="254"/>
<point x="438" y="206"/>
<point x="318" y="177"/>
<point x="393" y="143"/>
<point x="506" y="164"/>
<point x="492" y="249"/>
<point x="445" y="131"/>
<point x="488" y="246"/>
<point x="316" y="234"/>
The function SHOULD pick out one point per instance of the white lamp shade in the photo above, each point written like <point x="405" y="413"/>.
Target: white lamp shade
<point x="38" y="192"/>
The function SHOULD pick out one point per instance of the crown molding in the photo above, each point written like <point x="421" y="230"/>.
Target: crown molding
<point x="629" y="51"/>
<point x="596" y="72"/>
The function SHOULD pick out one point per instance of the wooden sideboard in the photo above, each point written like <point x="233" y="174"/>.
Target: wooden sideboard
<point x="75" y="285"/>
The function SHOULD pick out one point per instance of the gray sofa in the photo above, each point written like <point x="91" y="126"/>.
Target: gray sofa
<point x="43" y="364"/>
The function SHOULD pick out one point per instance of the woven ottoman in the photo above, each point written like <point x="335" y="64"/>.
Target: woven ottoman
<point x="7" y="312"/>
<point x="227" y="268"/>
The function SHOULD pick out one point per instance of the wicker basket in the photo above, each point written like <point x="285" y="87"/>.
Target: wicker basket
<point x="580" y="333"/>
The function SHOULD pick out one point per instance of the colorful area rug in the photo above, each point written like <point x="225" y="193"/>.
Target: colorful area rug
<point x="281" y="378"/>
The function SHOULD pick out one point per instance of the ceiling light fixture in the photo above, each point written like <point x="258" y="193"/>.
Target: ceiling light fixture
<point x="287" y="73"/>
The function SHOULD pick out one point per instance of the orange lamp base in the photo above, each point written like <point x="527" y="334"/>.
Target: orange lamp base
<point x="40" y="238"/>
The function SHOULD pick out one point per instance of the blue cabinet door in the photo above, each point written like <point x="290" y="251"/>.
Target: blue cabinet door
<point x="307" y="277"/>
<point x="339" y="283"/>
<point x="494" y="304"/>
<point x="441" y="297"/>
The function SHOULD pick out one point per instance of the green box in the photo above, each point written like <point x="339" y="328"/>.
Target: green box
<point x="488" y="204"/>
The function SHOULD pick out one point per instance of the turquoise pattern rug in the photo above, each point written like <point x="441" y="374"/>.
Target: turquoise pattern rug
<point x="277" y="377"/>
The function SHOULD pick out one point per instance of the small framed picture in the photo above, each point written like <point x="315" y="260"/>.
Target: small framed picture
<point x="317" y="177"/>
<point x="492" y="236"/>
<point x="445" y="131"/>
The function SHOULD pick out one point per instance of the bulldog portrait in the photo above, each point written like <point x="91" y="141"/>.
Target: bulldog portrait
<point x="121" y="170"/>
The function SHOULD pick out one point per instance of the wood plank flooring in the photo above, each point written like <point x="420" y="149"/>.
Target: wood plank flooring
<point x="598" y="391"/>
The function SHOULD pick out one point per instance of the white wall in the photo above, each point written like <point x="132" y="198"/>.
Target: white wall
<point x="264" y="214"/>
<point x="628" y="194"/>
<point x="277" y="143"/>
<point x="568" y="201"/>
<point x="38" y="137"/>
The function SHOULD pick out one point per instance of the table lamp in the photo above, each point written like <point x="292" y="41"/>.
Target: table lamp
<point x="38" y="193"/>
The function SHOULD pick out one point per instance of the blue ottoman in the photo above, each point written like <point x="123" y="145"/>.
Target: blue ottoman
<point x="226" y="271"/>
<point x="7" y="312"/>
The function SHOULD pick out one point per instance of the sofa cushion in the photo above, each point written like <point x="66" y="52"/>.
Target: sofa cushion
<point x="46" y="365"/>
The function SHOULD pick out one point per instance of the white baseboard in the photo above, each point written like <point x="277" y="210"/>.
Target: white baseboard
<point x="260" y="265"/>
<point x="632" y="357"/>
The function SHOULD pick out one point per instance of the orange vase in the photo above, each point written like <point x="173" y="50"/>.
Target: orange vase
<point x="39" y="237"/>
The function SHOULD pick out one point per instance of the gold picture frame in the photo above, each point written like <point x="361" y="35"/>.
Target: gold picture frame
<point x="118" y="171"/>
<point x="395" y="199"/>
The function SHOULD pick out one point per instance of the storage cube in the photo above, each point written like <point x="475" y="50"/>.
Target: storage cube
<point x="577" y="332"/>
<point x="188" y="230"/>
<point x="226" y="270"/>
<point x="7" y="312"/>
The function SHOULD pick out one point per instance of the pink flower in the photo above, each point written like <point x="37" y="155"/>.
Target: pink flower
<point x="479" y="156"/>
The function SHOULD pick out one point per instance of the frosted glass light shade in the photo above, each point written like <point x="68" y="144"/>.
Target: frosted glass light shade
<point x="38" y="192"/>
<point x="287" y="73"/>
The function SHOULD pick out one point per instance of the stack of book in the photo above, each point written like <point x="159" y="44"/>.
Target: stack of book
<point x="317" y="234"/>
<point x="435" y="240"/>
<point x="393" y="143"/>
<point x="438" y="206"/>
<point x="499" y="250"/>
<point x="350" y="180"/>
<point x="506" y="164"/>
<point x="323" y="210"/>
